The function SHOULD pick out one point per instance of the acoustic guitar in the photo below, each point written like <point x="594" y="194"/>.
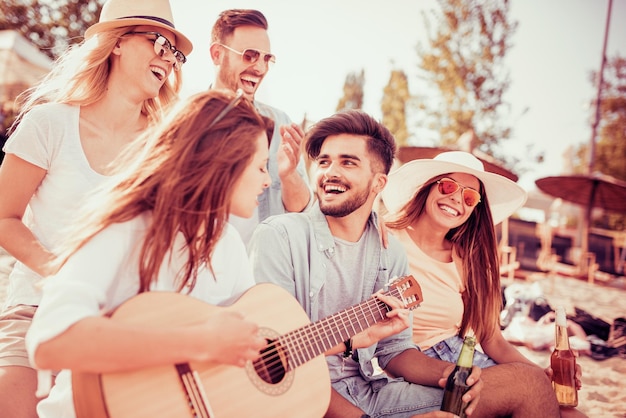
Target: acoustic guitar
<point x="289" y="379"/>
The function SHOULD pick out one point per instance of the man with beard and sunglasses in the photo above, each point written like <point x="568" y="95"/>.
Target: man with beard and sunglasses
<point x="240" y="49"/>
<point x="331" y="258"/>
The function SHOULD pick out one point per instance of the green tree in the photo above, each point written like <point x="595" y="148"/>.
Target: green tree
<point x="352" y="92"/>
<point x="395" y="97"/>
<point x="468" y="41"/>
<point x="50" y="25"/>
<point x="610" y="144"/>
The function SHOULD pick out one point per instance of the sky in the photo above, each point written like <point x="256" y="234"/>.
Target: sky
<point x="318" y="43"/>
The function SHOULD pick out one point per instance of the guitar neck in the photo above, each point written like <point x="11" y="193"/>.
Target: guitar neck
<point x="308" y="342"/>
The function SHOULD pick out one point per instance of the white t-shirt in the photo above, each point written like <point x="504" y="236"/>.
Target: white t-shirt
<point x="245" y="226"/>
<point x="104" y="273"/>
<point x="48" y="137"/>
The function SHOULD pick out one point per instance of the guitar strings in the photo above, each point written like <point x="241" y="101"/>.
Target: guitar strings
<point x="288" y="348"/>
<point x="196" y="402"/>
<point x="311" y="338"/>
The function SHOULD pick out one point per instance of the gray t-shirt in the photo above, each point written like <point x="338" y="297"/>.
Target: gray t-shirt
<point x="341" y="289"/>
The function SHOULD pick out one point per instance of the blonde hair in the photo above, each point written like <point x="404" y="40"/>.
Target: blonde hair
<point x="79" y="77"/>
<point x="183" y="172"/>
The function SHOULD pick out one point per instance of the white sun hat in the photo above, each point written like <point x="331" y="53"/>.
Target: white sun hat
<point x="505" y="196"/>
<point x="119" y="13"/>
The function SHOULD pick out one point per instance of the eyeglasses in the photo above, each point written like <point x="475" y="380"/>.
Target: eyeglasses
<point x="161" y="45"/>
<point x="228" y="108"/>
<point x="251" y="56"/>
<point x="448" y="186"/>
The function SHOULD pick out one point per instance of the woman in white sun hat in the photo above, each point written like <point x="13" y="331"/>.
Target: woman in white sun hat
<point x="97" y="98"/>
<point x="444" y="211"/>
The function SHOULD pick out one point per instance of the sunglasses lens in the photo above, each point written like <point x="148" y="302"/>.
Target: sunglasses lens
<point x="447" y="186"/>
<point x="162" y="44"/>
<point x="250" y="56"/>
<point x="471" y="197"/>
<point x="180" y="57"/>
<point x="158" y="47"/>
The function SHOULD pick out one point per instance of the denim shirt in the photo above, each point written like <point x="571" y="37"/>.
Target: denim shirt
<point x="292" y="250"/>
<point x="271" y="200"/>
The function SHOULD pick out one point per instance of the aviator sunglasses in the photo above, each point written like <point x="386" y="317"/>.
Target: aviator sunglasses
<point x="251" y="56"/>
<point x="448" y="186"/>
<point x="161" y="45"/>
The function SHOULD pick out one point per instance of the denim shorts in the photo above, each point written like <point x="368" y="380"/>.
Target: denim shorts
<point x="397" y="398"/>
<point x="449" y="350"/>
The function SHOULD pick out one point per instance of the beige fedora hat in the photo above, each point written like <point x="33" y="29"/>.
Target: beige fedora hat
<point x="505" y="196"/>
<point x="119" y="13"/>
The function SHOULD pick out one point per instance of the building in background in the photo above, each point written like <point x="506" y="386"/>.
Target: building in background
<point x="22" y="65"/>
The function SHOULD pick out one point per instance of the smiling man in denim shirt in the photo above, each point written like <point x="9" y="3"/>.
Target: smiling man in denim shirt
<point x="331" y="258"/>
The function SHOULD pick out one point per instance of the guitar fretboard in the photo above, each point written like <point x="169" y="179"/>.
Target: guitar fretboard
<point x="310" y="341"/>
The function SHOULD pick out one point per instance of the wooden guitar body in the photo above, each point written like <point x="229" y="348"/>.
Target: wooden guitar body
<point x="290" y="379"/>
<point x="230" y="391"/>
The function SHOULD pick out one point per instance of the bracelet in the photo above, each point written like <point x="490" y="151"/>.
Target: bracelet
<point x="348" y="352"/>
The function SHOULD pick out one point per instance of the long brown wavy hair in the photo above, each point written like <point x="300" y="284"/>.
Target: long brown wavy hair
<point x="474" y="242"/>
<point x="183" y="171"/>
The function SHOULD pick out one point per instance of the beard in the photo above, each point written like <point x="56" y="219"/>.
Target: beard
<point x="339" y="210"/>
<point x="229" y="77"/>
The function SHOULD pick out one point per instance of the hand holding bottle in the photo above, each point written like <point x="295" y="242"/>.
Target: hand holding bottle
<point x="578" y="375"/>
<point x="457" y="384"/>
<point x="563" y="364"/>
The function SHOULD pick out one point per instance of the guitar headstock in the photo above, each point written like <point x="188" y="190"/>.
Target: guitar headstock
<point x="409" y="291"/>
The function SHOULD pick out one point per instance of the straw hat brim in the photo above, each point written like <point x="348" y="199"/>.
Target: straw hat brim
<point x="505" y="196"/>
<point x="182" y="43"/>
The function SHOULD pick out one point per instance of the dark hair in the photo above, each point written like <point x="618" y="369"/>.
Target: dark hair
<point x="231" y="19"/>
<point x="354" y="122"/>
<point x="476" y="244"/>
<point x="183" y="172"/>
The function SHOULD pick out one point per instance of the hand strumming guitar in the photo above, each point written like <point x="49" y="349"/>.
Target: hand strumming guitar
<point x="238" y="337"/>
<point x="399" y="319"/>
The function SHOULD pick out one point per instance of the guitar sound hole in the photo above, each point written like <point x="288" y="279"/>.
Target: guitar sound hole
<point x="271" y="365"/>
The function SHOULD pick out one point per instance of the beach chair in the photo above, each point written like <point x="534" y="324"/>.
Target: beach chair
<point x="508" y="263"/>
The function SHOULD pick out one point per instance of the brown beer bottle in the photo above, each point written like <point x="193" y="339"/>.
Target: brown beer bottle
<point x="563" y="363"/>
<point x="456" y="386"/>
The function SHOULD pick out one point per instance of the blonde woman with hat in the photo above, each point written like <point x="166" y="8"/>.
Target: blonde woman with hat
<point x="96" y="100"/>
<point x="443" y="210"/>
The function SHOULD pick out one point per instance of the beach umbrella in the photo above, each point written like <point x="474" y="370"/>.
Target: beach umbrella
<point x="591" y="191"/>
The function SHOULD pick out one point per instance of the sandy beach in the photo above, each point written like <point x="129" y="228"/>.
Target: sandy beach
<point x="603" y="394"/>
